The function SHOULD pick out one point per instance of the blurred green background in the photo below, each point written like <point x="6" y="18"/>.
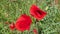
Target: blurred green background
<point x="10" y="10"/>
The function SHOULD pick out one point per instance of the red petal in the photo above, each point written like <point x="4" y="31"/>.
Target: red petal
<point x="37" y="13"/>
<point x="35" y="31"/>
<point x="23" y="23"/>
<point x="12" y="26"/>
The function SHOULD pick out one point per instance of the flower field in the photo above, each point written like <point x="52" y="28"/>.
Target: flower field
<point x="11" y="11"/>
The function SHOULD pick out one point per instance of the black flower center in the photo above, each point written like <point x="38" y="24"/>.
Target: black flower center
<point x="39" y="12"/>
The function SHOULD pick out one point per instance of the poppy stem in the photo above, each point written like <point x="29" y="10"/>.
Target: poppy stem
<point x="36" y="22"/>
<point x="21" y="32"/>
<point x="38" y="27"/>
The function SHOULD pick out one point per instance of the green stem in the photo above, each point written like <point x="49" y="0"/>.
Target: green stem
<point x="38" y="27"/>
<point x="21" y="32"/>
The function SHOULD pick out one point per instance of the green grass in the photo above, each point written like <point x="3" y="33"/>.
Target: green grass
<point x="10" y="10"/>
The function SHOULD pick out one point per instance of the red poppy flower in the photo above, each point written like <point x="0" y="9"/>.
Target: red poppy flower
<point x="37" y="13"/>
<point x="35" y="31"/>
<point x="12" y="26"/>
<point x="23" y="23"/>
